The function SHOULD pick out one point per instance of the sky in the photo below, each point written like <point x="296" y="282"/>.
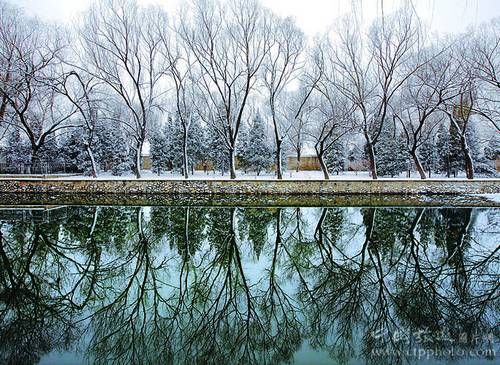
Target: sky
<point x="313" y="16"/>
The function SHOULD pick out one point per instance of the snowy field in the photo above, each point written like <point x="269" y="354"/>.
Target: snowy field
<point x="200" y="175"/>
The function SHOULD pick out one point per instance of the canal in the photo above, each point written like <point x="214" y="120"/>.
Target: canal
<point x="243" y="284"/>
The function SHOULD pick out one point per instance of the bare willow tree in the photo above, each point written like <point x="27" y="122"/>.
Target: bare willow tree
<point x="229" y="42"/>
<point x="485" y="59"/>
<point x="422" y="96"/>
<point x="332" y="111"/>
<point x="459" y="113"/>
<point x="372" y="75"/>
<point x="121" y="46"/>
<point x="11" y="33"/>
<point x="281" y="67"/>
<point x="460" y="109"/>
<point x="31" y="56"/>
<point x="81" y="91"/>
<point x="486" y="56"/>
<point x="298" y="108"/>
<point x="180" y="70"/>
<point x="298" y="111"/>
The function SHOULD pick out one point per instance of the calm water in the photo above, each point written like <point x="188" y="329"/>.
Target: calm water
<point x="195" y="285"/>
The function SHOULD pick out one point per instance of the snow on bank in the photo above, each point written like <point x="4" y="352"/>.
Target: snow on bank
<point x="495" y="198"/>
<point x="200" y="175"/>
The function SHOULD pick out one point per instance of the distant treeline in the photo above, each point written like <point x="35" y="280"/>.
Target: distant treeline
<point x="222" y="82"/>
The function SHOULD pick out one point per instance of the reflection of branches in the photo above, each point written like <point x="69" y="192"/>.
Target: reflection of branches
<point x="427" y="300"/>
<point x="224" y="322"/>
<point x="132" y="324"/>
<point x="179" y="284"/>
<point x="392" y="284"/>
<point x="33" y="317"/>
<point x="278" y="306"/>
<point x="338" y="289"/>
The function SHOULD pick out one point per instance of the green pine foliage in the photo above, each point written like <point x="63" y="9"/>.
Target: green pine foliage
<point x="428" y="155"/>
<point x="76" y="159"/>
<point x="335" y="156"/>
<point x="455" y="153"/>
<point x="16" y="151"/>
<point x="159" y="152"/>
<point x="217" y="152"/>
<point x="443" y="149"/>
<point x="113" y="149"/>
<point x="391" y="153"/>
<point x="482" y="165"/>
<point x="258" y="153"/>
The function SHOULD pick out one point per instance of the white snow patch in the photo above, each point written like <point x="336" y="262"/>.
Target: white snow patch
<point x="240" y="175"/>
<point x="493" y="197"/>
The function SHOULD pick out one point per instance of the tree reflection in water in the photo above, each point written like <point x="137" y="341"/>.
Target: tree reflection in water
<point x="246" y="285"/>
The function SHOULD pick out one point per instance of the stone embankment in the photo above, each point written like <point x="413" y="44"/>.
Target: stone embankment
<point x="256" y="187"/>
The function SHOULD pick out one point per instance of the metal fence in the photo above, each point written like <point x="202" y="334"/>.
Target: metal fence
<point x="38" y="168"/>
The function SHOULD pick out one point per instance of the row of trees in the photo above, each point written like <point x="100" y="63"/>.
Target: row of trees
<point x="128" y="74"/>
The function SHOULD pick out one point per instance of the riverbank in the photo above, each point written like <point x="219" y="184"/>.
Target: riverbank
<point x="56" y="200"/>
<point x="250" y="187"/>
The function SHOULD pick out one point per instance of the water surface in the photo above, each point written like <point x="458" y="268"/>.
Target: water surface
<point x="238" y="285"/>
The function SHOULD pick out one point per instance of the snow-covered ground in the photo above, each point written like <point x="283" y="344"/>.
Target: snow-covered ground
<point x="200" y="175"/>
<point x="495" y="198"/>
<point x="240" y="175"/>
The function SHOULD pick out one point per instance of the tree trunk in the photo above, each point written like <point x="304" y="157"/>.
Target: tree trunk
<point x="92" y="161"/>
<point x="3" y="106"/>
<point x="232" y="164"/>
<point x="138" y="159"/>
<point x="297" y="168"/>
<point x="186" y="232"/>
<point x="323" y="166"/>
<point x="469" y="164"/>
<point x="277" y="243"/>
<point x="34" y="158"/>
<point x="318" y="232"/>
<point x="418" y="164"/>
<point x="278" y="157"/>
<point x="371" y="155"/>
<point x="184" y="151"/>
<point x="371" y="159"/>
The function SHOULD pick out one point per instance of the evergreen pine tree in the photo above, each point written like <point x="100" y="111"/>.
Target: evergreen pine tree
<point x="123" y="155"/>
<point x="391" y="153"/>
<point x="443" y="150"/>
<point x="16" y="152"/>
<point x="258" y="153"/>
<point x="113" y="148"/>
<point x="50" y="157"/>
<point x="356" y="158"/>
<point x="197" y="143"/>
<point x="174" y="135"/>
<point x="475" y="149"/>
<point x="427" y="153"/>
<point x="217" y="153"/>
<point x="158" y="151"/>
<point x="335" y="156"/>
<point x="456" y="155"/>
<point x="74" y="154"/>
<point x="492" y="149"/>
<point x="242" y="147"/>
<point x="492" y="152"/>
<point x="482" y="164"/>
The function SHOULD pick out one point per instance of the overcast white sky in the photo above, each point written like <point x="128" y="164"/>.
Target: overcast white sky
<point x="312" y="15"/>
